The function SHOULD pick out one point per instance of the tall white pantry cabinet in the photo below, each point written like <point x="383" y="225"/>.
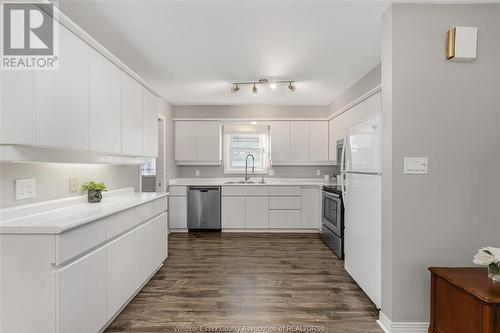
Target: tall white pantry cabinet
<point x="88" y="104"/>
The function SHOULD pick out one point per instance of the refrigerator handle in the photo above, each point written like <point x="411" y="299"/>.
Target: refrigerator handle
<point x="343" y="189"/>
<point x="342" y="156"/>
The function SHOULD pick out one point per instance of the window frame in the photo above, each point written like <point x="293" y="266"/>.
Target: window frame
<point x="229" y="132"/>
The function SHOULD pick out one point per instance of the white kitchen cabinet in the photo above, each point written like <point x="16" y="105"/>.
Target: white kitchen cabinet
<point x="318" y="141"/>
<point x="299" y="140"/>
<point x="16" y="107"/>
<point x="280" y="141"/>
<point x="311" y="208"/>
<point x="284" y="219"/>
<point x="82" y="294"/>
<point x="185" y="141"/>
<point x="121" y="282"/>
<point x="208" y="141"/>
<point x="233" y="212"/>
<point x="144" y="253"/>
<point x="177" y="208"/>
<point x="132" y="117"/>
<point x="105" y="118"/>
<point x="62" y="97"/>
<point x="160" y="239"/>
<point x="332" y="143"/>
<point x="256" y="212"/>
<point x="150" y="124"/>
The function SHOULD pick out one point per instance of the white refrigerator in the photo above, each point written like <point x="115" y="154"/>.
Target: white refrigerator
<point x="361" y="175"/>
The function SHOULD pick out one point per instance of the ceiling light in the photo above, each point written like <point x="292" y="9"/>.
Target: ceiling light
<point x="291" y="86"/>
<point x="273" y="86"/>
<point x="254" y="89"/>
<point x="235" y="88"/>
<point x="254" y="122"/>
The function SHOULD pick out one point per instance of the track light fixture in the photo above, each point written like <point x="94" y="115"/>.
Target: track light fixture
<point x="272" y="84"/>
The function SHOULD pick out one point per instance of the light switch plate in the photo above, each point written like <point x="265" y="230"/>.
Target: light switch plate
<point x="73" y="184"/>
<point x="271" y="172"/>
<point x="416" y="166"/>
<point x="318" y="172"/>
<point x="25" y="188"/>
<point x="197" y="173"/>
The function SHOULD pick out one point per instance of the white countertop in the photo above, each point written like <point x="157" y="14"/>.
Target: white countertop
<point x="268" y="182"/>
<point x="57" y="216"/>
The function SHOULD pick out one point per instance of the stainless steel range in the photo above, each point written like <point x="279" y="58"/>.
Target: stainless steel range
<point x="333" y="220"/>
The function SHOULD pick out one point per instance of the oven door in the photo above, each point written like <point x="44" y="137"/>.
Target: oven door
<point x="332" y="212"/>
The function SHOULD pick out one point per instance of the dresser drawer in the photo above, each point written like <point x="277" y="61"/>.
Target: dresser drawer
<point x="285" y="202"/>
<point x="79" y="240"/>
<point x="144" y="212"/>
<point x="161" y="205"/>
<point x="285" y="190"/>
<point x="118" y="223"/>
<point x="247" y="190"/>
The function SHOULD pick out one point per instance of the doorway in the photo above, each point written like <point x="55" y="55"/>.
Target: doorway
<point x="154" y="170"/>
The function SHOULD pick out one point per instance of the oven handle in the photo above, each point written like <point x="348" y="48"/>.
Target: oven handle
<point x="328" y="194"/>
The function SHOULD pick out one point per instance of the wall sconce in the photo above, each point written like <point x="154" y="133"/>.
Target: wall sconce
<point x="461" y="44"/>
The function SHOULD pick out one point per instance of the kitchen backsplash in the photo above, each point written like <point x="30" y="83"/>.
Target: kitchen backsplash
<point x="279" y="171"/>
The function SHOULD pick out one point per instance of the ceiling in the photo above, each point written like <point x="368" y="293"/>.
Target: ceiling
<point x="191" y="51"/>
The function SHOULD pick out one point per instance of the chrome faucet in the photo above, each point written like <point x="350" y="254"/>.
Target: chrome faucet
<point x="246" y="166"/>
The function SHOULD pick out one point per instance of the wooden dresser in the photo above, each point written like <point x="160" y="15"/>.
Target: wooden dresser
<point x="463" y="300"/>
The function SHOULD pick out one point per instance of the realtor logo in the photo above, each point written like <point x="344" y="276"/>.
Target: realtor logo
<point x="28" y="36"/>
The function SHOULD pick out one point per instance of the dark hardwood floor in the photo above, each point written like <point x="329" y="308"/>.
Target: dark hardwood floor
<point x="223" y="282"/>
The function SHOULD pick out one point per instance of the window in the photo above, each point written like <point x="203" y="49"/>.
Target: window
<point x="149" y="167"/>
<point x="239" y="141"/>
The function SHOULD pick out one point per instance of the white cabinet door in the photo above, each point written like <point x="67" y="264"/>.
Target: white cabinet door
<point x="311" y="208"/>
<point x="132" y="116"/>
<point x="62" y="108"/>
<point x="208" y="141"/>
<point x="16" y="107"/>
<point x="280" y="141"/>
<point x="332" y="143"/>
<point x="121" y="283"/>
<point x="144" y="253"/>
<point x="233" y="212"/>
<point x="299" y="140"/>
<point x="185" y="141"/>
<point x="82" y="294"/>
<point x="105" y="118"/>
<point x="318" y="141"/>
<point x="257" y="212"/>
<point x="160" y="238"/>
<point x="284" y="219"/>
<point x="150" y="124"/>
<point x="177" y="208"/>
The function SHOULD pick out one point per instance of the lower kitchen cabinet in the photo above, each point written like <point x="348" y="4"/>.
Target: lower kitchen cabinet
<point x="121" y="272"/>
<point x="233" y="212"/>
<point x="160" y="238"/>
<point x="177" y="212"/>
<point x="256" y="212"/>
<point x="82" y="294"/>
<point x="311" y="208"/>
<point x="284" y="219"/>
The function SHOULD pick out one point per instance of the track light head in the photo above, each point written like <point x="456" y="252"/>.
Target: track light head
<point x="254" y="89"/>
<point x="273" y="86"/>
<point x="235" y="88"/>
<point x="291" y="87"/>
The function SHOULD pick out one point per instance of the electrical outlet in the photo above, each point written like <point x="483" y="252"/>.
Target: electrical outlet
<point x="197" y="173"/>
<point x="416" y="166"/>
<point x="25" y="188"/>
<point x="318" y="172"/>
<point x="73" y="184"/>
<point x="271" y="172"/>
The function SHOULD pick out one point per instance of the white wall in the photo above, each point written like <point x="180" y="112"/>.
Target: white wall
<point x="52" y="179"/>
<point x="167" y="110"/>
<point x="449" y="112"/>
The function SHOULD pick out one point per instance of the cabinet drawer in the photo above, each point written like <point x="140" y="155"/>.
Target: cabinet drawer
<point x="285" y="202"/>
<point x="144" y="212"/>
<point x="245" y="190"/>
<point x="161" y="205"/>
<point x="284" y="219"/>
<point x="285" y="190"/>
<point x="177" y="190"/>
<point x="81" y="239"/>
<point x="118" y="223"/>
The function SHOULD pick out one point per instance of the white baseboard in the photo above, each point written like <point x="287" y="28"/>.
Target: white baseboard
<point x="401" y="327"/>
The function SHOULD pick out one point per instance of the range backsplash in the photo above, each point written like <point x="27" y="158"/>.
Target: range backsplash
<point x="279" y="171"/>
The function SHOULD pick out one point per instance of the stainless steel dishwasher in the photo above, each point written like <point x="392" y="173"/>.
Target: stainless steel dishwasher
<point x="203" y="207"/>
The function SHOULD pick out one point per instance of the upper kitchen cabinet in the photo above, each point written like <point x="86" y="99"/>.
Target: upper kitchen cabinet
<point x="280" y="141"/>
<point x="197" y="142"/>
<point x="16" y="107"/>
<point x="105" y="129"/>
<point x="62" y="97"/>
<point x="299" y="142"/>
<point x="150" y="124"/>
<point x="132" y="117"/>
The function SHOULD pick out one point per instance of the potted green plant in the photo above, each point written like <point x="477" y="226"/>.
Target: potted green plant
<point x="94" y="190"/>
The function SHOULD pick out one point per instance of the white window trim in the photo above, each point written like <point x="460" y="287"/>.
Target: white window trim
<point x="256" y="130"/>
